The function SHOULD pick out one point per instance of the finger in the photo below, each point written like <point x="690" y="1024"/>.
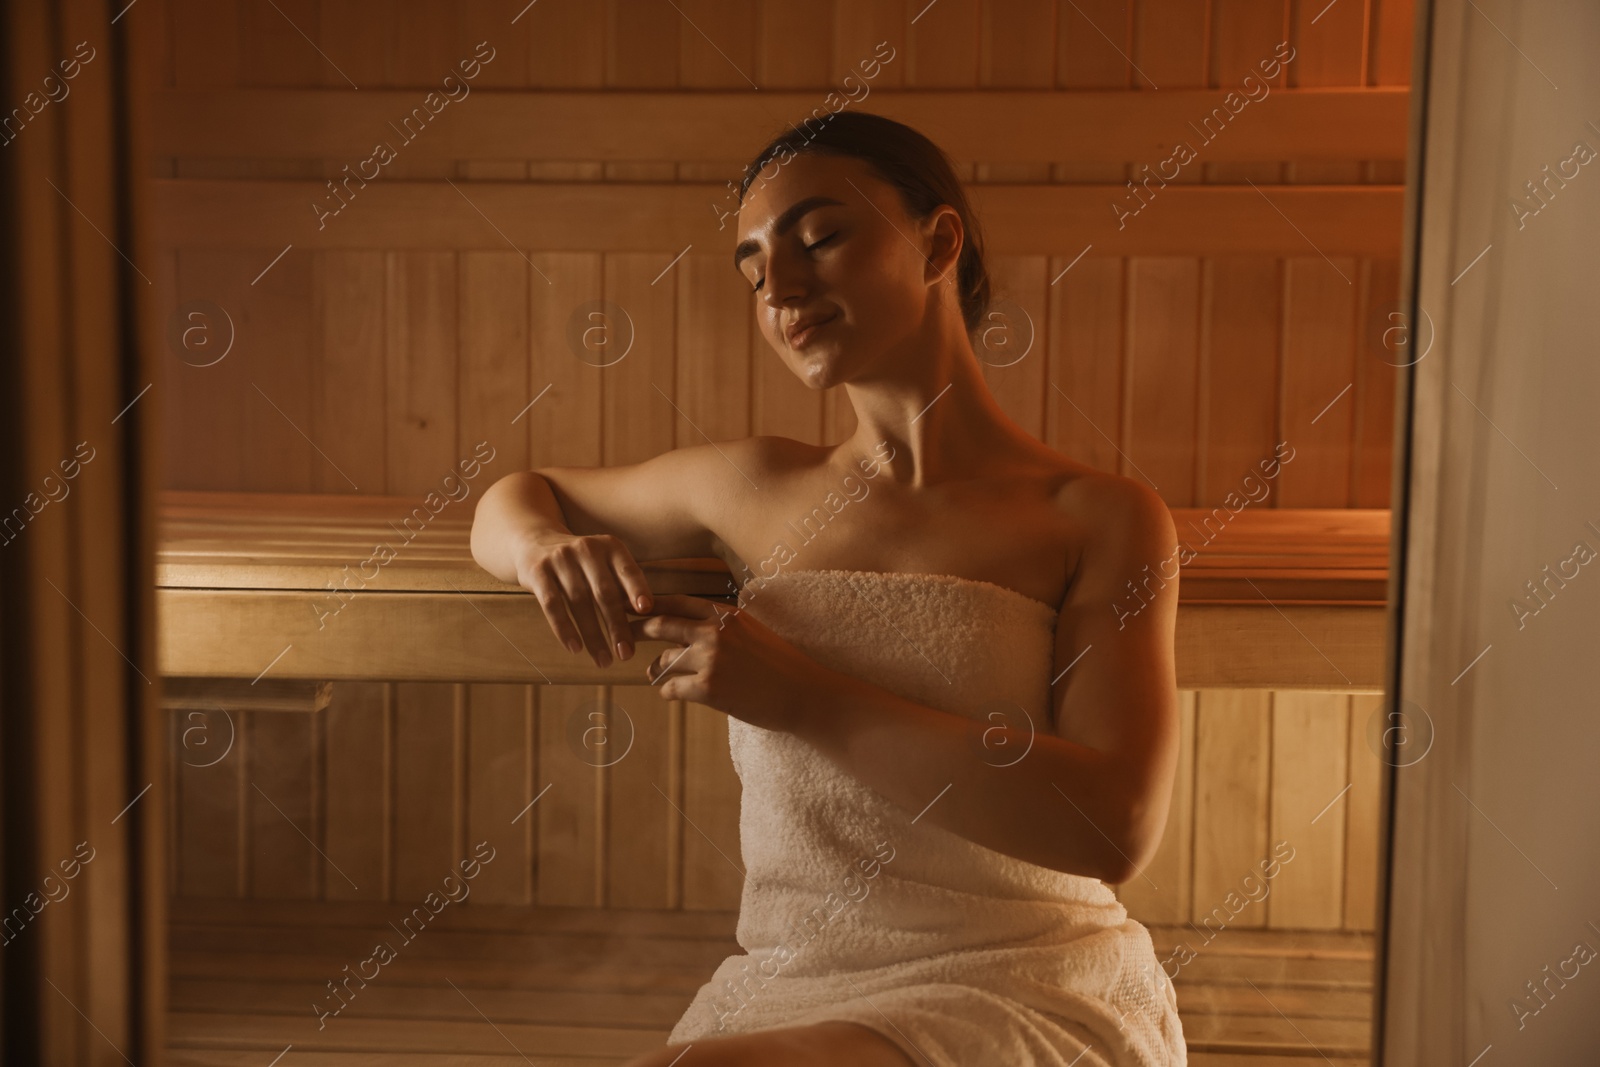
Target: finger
<point x="613" y="610"/>
<point x="672" y="628"/>
<point x="689" y="607"/>
<point x="672" y="661"/>
<point x="546" y="589"/>
<point x="580" y="599"/>
<point x="631" y="576"/>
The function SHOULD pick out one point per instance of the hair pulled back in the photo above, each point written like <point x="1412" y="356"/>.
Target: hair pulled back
<point x="905" y="159"/>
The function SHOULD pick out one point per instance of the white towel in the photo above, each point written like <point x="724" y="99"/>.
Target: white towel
<point x="960" y="955"/>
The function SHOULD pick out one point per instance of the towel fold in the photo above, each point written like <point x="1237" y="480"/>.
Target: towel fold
<point x="855" y="909"/>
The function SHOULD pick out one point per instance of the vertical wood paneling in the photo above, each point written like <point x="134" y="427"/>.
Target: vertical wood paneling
<point x="1164" y="892"/>
<point x="1318" y="366"/>
<point x="1244" y="32"/>
<point x="212" y="399"/>
<point x="1017" y="380"/>
<point x="490" y="23"/>
<point x="1393" y="22"/>
<point x="358" y="791"/>
<point x="283" y="861"/>
<point x="1094" y="45"/>
<point x="717" y="44"/>
<point x="1376" y="381"/>
<point x="1159" y="399"/>
<point x="795" y="48"/>
<point x="637" y="396"/>
<point x="421" y="370"/>
<point x="1363" y="834"/>
<point x="1310" y="733"/>
<point x="1085" y="341"/>
<point x="1019" y="44"/>
<point x="568" y="45"/>
<point x="714" y="320"/>
<point x="494" y="358"/>
<point x="422" y="41"/>
<point x="1330" y="51"/>
<point x="1171" y="44"/>
<point x="642" y="826"/>
<point x="273" y="53"/>
<point x="642" y="45"/>
<point x="395" y="363"/>
<point x="942" y="44"/>
<point x="712" y="865"/>
<point x="570" y="778"/>
<point x="277" y="351"/>
<point x="208" y="838"/>
<point x="428" y="786"/>
<point x="499" y="758"/>
<point x="348" y="423"/>
<point x="354" y="39"/>
<point x="859" y="26"/>
<point x="1239" y="379"/>
<point x="1232" y="768"/>
<point x="564" y="423"/>
<point x="206" y="52"/>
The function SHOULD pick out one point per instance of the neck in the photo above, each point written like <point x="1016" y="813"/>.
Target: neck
<point x="927" y="398"/>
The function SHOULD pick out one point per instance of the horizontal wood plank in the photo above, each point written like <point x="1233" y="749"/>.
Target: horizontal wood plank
<point x="990" y="126"/>
<point x="663" y="218"/>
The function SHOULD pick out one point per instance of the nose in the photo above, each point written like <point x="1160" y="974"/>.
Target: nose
<point x="786" y="279"/>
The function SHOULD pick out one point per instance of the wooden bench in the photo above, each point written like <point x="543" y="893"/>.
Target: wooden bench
<point x="288" y="586"/>
<point x="1276" y="600"/>
<point x="575" y="987"/>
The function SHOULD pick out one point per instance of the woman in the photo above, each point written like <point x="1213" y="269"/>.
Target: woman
<point x="950" y="731"/>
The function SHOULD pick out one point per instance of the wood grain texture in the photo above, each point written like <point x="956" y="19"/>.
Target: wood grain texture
<point x="1232" y="769"/>
<point x="425" y="318"/>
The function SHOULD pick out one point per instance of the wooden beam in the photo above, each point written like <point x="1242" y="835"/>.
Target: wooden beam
<point x="242" y="694"/>
<point x="497" y="637"/>
<point x="989" y="126"/>
<point x="1178" y="220"/>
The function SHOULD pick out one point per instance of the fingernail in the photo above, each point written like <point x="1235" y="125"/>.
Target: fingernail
<point x="623" y="651"/>
<point x="643" y="602"/>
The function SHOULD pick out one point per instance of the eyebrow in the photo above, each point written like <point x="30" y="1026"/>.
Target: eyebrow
<point x="791" y="215"/>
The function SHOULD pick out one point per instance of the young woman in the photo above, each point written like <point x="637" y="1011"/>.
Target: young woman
<point x="951" y="729"/>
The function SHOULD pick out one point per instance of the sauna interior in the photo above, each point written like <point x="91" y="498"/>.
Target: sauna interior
<point x="343" y="732"/>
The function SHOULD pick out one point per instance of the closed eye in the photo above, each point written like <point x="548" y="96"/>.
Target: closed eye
<point x="815" y="244"/>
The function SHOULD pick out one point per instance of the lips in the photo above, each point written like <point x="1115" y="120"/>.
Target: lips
<point x="802" y="330"/>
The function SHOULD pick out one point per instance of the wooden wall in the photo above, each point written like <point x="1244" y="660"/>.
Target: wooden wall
<point x="369" y="355"/>
<point x="403" y="780"/>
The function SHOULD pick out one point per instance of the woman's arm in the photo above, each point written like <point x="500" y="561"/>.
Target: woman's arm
<point x="572" y="536"/>
<point x="1089" y="798"/>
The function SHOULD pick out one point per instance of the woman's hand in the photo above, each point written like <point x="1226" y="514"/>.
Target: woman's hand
<point x="724" y="659"/>
<point x="585" y="580"/>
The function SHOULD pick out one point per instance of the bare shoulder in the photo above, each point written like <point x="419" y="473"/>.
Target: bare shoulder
<point x="770" y="454"/>
<point x="1124" y="525"/>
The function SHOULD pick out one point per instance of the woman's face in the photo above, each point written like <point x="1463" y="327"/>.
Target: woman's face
<point x="827" y="241"/>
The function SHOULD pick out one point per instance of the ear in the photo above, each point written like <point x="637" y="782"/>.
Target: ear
<point x="943" y="237"/>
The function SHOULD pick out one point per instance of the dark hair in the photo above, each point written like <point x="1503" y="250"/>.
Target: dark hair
<point x="905" y="159"/>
